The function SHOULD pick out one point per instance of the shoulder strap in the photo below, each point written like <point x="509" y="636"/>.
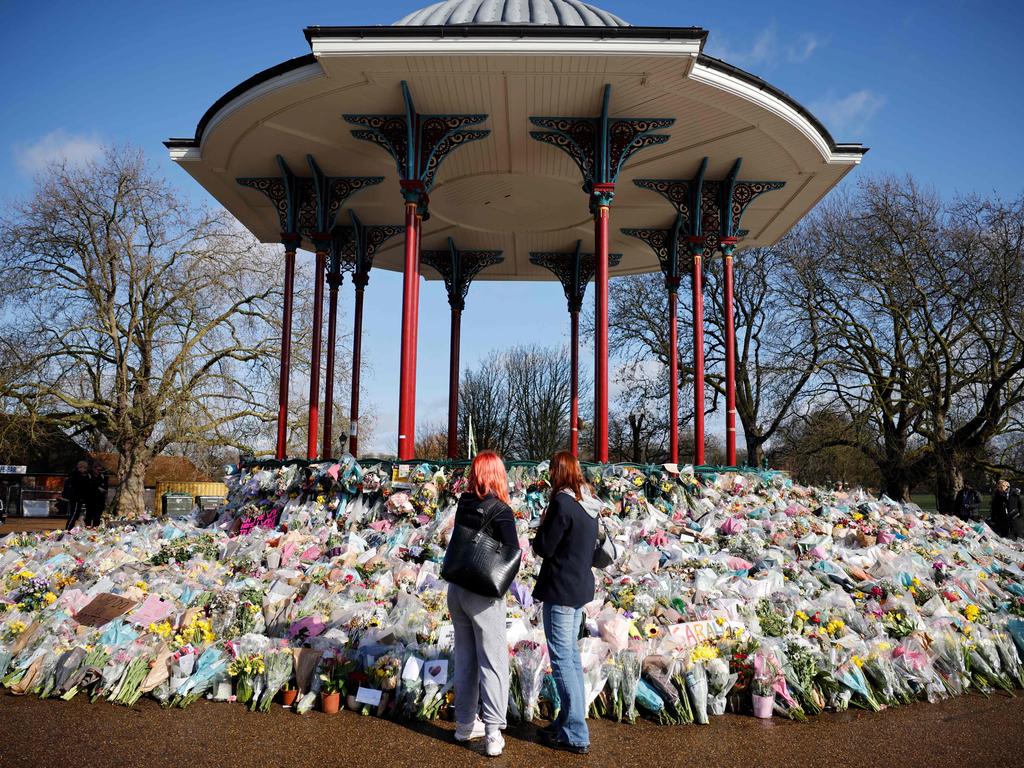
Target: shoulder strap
<point x="488" y="518"/>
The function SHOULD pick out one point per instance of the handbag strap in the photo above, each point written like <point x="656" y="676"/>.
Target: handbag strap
<point x="489" y="518"/>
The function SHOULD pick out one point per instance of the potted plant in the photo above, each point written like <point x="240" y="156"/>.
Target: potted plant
<point x="333" y="683"/>
<point x="288" y="694"/>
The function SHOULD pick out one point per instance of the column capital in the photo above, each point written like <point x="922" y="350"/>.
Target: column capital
<point x="291" y="241"/>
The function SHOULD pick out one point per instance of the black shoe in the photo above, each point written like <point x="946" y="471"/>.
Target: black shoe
<point x="548" y="730"/>
<point x="551" y="740"/>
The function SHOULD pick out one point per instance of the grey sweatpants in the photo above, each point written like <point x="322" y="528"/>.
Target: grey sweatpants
<point x="481" y="657"/>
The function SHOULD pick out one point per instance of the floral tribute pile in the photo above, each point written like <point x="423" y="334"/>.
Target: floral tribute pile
<point x="740" y="591"/>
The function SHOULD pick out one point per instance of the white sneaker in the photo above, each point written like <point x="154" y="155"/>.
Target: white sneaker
<point x="474" y="730"/>
<point x="495" y="744"/>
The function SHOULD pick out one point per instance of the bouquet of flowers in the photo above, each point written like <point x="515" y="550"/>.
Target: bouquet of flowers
<point x="434" y="694"/>
<point x="528" y="665"/>
<point x="278" y="666"/>
<point x="630" y="663"/>
<point x="247" y="671"/>
<point x="384" y="672"/>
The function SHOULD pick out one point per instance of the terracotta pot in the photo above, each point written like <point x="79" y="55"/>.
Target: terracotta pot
<point x="330" y="703"/>
<point x="288" y="697"/>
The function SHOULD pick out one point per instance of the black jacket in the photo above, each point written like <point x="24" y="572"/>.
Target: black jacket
<point x="1006" y="507"/>
<point x="566" y="540"/>
<point x="967" y="504"/>
<point x="468" y="513"/>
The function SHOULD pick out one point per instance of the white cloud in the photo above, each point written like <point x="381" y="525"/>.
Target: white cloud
<point x="848" y="114"/>
<point x="803" y="48"/>
<point x="767" y="49"/>
<point x="54" y="147"/>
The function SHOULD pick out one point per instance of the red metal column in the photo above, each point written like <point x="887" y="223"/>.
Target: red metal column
<point x="698" y="358"/>
<point x="407" y="368"/>
<point x="601" y="335"/>
<point x="673" y="371"/>
<point x="286" y="350"/>
<point x="327" y="445"/>
<point x="730" y="364"/>
<point x="314" y="371"/>
<point x="574" y="364"/>
<point x="453" y="386"/>
<point x="360" y="282"/>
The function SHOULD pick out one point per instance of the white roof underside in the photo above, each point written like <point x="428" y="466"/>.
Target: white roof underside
<point x="509" y="192"/>
<point x="563" y="13"/>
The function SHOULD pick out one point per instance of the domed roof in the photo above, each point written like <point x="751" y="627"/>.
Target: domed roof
<point x="560" y="13"/>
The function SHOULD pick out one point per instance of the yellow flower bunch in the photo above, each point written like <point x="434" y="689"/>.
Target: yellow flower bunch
<point x="18" y="576"/>
<point x="197" y="631"/>
<point x="163" y="629"/>
<point x="982" y="575"/>
<point x="49" y="598"/>
<point x="857" y="516"/>
<point x="858" y="661"/>
<point x="62" y="580"/>
<point x="703" y="652"/>
<point x="801" y="615"/>
<point x="15" y="628"/>
<point x="651" y="629"/>
<point x="247" y="665"/>
<point x="915" y="581"/>
<point x="972" y="612"/>
<point x="835" y="628"/>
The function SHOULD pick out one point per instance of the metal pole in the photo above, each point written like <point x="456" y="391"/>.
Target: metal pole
<point x="698" y="359"/>
<point x="730" y="364"/>
<point x="574" y="364"/>
<point x="314" y="373"/>
<point x="327" y="445"/>
<point x="673" y="372"/>
<point x="360" y="280"/>
<point x="601" y="333"/>
<point x="453" y="386"/>
<point x="286" y="351"/>
<point x="407" y="368"/>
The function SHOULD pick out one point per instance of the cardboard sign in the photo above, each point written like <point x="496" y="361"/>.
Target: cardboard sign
<point x="369" y="696"/>
<point x="435" y="672"/>
<point x="693" y="632"/>
<point x="104" y="608"/>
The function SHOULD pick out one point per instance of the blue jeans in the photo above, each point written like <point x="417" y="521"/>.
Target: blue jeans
<point x="561" y="628"/>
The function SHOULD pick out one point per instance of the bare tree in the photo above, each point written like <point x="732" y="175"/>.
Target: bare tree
<point x="539" y="387"/>
<point x="149" y="321"/>
<point x="432" y="441"/>
<point x="919" y="302"/>
<point x="485" y="406"/>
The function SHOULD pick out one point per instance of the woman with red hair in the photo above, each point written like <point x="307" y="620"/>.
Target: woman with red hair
<point x="566" y="539"/>
<point x="481" y="651"/>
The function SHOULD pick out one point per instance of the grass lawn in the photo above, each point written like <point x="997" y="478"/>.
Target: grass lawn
<point x="926" y="501"/>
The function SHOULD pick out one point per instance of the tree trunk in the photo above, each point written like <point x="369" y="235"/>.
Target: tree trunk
<point x="755" y="449"/>
<point x="949" y="479"/>
<point x="896" y="486"/>
<point x="130" y="496"/>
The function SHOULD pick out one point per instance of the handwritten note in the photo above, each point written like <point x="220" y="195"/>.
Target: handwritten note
<point x="104" y="608"/>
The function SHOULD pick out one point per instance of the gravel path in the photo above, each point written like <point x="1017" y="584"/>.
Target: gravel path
<point x="969" y="730"/>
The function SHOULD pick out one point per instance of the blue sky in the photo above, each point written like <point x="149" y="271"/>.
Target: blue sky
<point x="932" y="87"/>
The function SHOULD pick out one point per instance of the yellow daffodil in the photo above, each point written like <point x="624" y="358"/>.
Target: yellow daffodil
<point x="16" y="628"/>
<point x="971" y="612"/>
<point x="858" y="661"/>
<point x="801" y="615"/>
<point x="982" y="575"/>
<point x="49" y="598"/>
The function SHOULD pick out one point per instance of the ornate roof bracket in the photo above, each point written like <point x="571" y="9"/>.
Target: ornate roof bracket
<point x="600" y="146"/>
<point x="458" y="268"/>
<point x="417" y="143"/>
<point x="573" y="270"/>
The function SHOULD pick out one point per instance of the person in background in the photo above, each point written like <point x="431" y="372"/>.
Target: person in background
<point x="566" y="539"/>
<point x="481" y="650"/>
<point x="1006" y="511"/>
<point x="78" y="490"/>
<point x="97" y="499"/>
<point x="967" y="504"/>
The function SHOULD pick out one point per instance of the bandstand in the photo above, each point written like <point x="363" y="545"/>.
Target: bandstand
<point x="509" y="140"/>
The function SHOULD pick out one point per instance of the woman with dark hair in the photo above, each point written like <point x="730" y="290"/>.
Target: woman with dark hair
<point x="481" y="650"/>
<point x="566" y="539"/>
